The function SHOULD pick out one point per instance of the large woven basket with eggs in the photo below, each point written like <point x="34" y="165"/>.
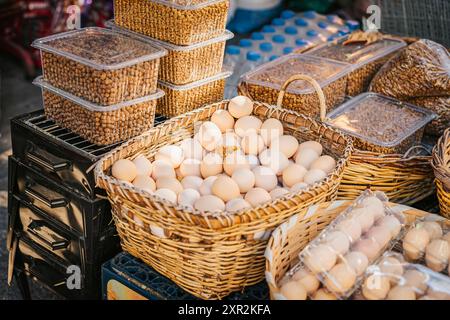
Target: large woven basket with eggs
<point x="441" y="166"/>
<point x="290" y="279"/>
<point x="197" y="197"/>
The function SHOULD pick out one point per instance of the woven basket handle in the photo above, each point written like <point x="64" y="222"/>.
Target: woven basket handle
<point x="316" y="86"/>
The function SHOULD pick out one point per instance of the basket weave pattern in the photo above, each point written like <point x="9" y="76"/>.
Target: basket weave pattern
<point x="180" y="27"/>
<point x="289" y="239"/>
<point x="210" y="255"/>
<point x="101" y="128"/>
<point x="441" y="166"/>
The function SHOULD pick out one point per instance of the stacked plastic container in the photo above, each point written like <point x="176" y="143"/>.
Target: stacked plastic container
<point x="99" y="84"/>
<point x="286" y="34"/>
<point x="193" y="33"/>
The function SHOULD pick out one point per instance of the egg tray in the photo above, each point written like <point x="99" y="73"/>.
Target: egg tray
<point x="100" y="127"/>
<point x="175" y="23"/>
<point x="103" y="87"/>
<point x="445" y="224"/>
<point x="434" y="280"/>
<point x="182" y="99"/>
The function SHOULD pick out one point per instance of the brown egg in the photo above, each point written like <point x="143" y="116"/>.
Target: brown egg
<point x="338" y="241"/>
<point x="392" y="224"/>
<point x="265" y="178"/>
<point x="380" y="234"/>
<point x="286" y="144"/>
<point x="257" y="197"/>
<point x="171" y="154"/>
<point x="124" y="169"/>
<point x="369" y="247"/>
<point x="415" y="243"/>
<point x="293" y="174"/>
<point x="235" y="161"/>
<point x="240" y="106"/>
<point x="307" y="280"/>
<point x="375" y="205"/>
<point x="144" y="182"/>
<point x="225" y="188"/>
<point x="247" y="124"/>
<point x="438" y="294"/>
<point x="192" y="149"/>
<point x="324" y="163"/>
<point x="314" y="145"/>
<point x="306" y="158"/>
<point x="323" y="294"/>
<point x="320" y="258"/>
<point x="357" y="261"/>
<point x="244" y="178"/>
<point x="211" y="165"/>
<point x="162" y="169"/>
<point x="206" y="186"/>
<point x="169" y="183"/>
<point x="340" y="278"/>
<point x="401" y="293"/>
<point x="364" y="217"/>
<point x="209" y="135"/>
<point x="275" y="160"/>
<point x="190" y="167"/>
<point x="293" y="290"/>
<point x="223" y="119"/>
<point x="433" y="228"/>
<point x="437" y="254"/>
<point x="252" y="143"/>
<point x="270" y="129"/>
<point x="351" y="228"/>
<point x="416" y="279"/>
<point x="376" y="287"/>
<point x="209" y="203"/>
<point x="143" y="165"/>
<point x="192" y="182"/>
<point x="392" y="268"/>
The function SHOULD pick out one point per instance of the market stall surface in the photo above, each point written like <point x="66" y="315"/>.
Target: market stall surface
<point x="18" y="96"/>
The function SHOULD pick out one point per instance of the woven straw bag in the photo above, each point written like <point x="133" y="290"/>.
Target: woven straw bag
<point x="211" y="254"/>
<point x="441" y="166"/>
<point x="292" y="236"/>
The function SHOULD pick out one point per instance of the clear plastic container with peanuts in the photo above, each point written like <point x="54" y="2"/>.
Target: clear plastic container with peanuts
<point x="332" y="265"/>
<point x="393" y="278"/>
<point x="427" y="242"/>
<point x="100" y="65"/>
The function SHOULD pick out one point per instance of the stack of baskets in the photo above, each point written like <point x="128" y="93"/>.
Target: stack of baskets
<point x="193" y="32"/>
<point x="441" y="166"/>
<point x="99" y="84"/>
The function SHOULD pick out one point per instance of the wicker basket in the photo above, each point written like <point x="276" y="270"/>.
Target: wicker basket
<point x="181" y="22"/>
<point x="404" y="179"/>
<point x="185" y="98"/>
<point x="186" y="64"/>
<point x="210" y="255"/>
<point x="101" y="125"/>
<point x="441" y="166"/>
<point x="292" y="236"/>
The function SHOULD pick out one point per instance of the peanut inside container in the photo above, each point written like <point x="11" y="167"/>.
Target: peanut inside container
<point x="381" y="124"/>
<point x="365" y="59"/>
<point x="265" y="82"/>
<point x="100" y="65"/>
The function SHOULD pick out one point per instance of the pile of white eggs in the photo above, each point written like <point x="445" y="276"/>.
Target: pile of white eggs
<point x="234" y="162"/>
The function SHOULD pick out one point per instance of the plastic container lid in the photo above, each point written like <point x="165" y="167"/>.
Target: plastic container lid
<point x="278" y="22"/>
<point x="322" y="25"/>
<point x="288" y="50"/>
<point x="291" y="30"/>
<point x="357" y="54"/>
<point x="233" y="50"/>
<point x="312" y="33"/>
<point x="100" y="48"/>
<point x="287" y="14"/>
<point x="253" y="56"/>
<point x="278" y="38"/>
<point x="187" y="4"/>
<point x="273" y="57"/>
<point x="245" y="43"/>
<point x="275" y="73"/>
<point x="266" y="47"/>
<point x="378" y="119"/>
<point x="301" y="22"/>
<point x="223" y="75"/>
<point x="301" y="42"/>
<point x="268" y="29"/>
<point x="310" y="14"/>
<point x="257" y="36"/>
<point x="227" y="35"/>
<point x="39" y="81"/>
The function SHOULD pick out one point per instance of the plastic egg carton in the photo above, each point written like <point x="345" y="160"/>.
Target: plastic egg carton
<point x="393" y="278"/>
<point x="427" y="242"/>
<point x="340" y="254"/>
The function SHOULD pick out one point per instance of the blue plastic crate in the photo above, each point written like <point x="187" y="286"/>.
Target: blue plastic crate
<point x="126" y="278"/>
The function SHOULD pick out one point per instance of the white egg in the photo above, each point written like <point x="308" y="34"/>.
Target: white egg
<point x="169" y="183"/>
<point x="275" y="160"/>
<point x="235" y="161"/>
<point x="209" y="135"/>
<point x="278" y="193"/>
<point x="211" y="165"/>
<point x="306" y="157"/>
<point x="257" y="197"/>
<point x="209" y="203"/>
<point x="192" y="149"/>
<point x="314" y="145"/>
<point x="190" y="167"/>
<point x="247" y="124"/>
<point x="293" y="174"/>
<point x="286" y="144"/>
<point x="124" y="169"/>
<point x="166" y="194"/>
<point x="324" y="163"/>
<point x="172" y="154"/>
<point x="271" y="129"/>
<point x="223" y="120"/>
<point x="191" y="182"/>
<point x="299" y="187"/>
<point x="240" y="106"/>
<point x="252" y="160"/>
<point x="144" y="182"/>
<point x="265" y="178"/>
<point x="188" y="197"/>
<point x="206" y="186"/>
<point x="162" y="169"/>
<point x="237" y="204"/>
<point x="252" y="143"/>
<point x="143" y="165"/>
<point x="244" y="178"/>
<point x="313" y="176"/>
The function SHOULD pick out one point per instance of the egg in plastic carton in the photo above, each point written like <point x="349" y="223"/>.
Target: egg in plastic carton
<point x="393" y="278"/>
<point x="427" y="242"/>
<point x="340" y="254"/>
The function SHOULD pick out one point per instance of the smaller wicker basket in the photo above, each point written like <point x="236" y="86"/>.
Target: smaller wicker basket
<point x="289" y="239"/>
<point x="441" y="166"/>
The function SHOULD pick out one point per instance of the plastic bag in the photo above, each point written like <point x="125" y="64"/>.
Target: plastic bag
<point x="439" y="105"/>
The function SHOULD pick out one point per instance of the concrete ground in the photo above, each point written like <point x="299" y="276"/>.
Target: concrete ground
<point x="17" y="96"/>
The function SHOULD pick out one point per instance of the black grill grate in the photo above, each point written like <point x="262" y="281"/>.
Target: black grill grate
<point x="49" y="127"/>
